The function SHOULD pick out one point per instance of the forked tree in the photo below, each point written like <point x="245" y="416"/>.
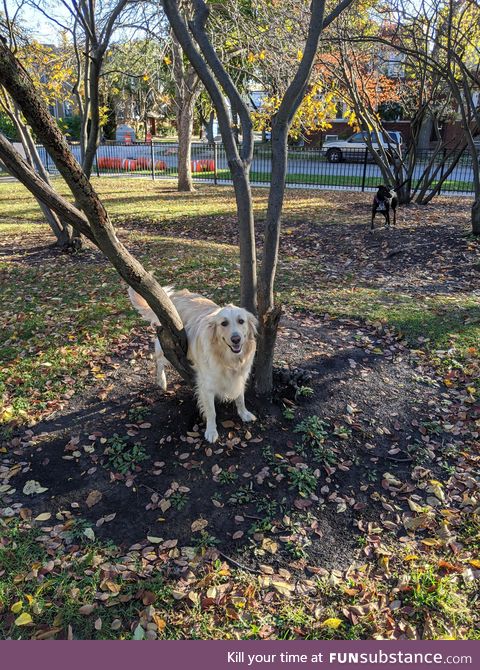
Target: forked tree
<point x="90" y="217"/>
<point x="256" y="285"/>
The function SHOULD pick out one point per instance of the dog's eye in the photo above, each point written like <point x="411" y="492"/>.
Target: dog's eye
<point x="241" y="321"/>
<point x="224" y="323"/>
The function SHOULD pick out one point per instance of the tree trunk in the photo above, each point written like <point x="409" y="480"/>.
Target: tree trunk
<point x="185" y="133"/>
<point x="267" y="336"/>
<point x="425" y="132"/>
<point x="476" y="217"/>
<point x="246" y="234"/>
<point x="268" y="313"/>
<point x="89" y="215"/>
<point x="209" y="128"/>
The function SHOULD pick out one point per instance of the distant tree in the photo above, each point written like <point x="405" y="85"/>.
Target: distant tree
<point x="50" y="71"/>
<point x="90" y="25"/>
<point x="91" y="219"/>
<point x="444" y="36"/>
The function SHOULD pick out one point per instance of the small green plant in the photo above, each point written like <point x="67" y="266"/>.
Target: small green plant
<point x="268" y="508"/>
<point x="304" y="392"/>
<point x="314" y="434"/>
<point x="343" y="432"/>
<point x="179" y="500"/>
<point x="123" y="457"/>
<point x="313" y="430"/>
<point x="242" y="495"/>
<point x="419" y="453"/>
<point x="138" y="414"/>
<point x="205" y="540"/>
<point x="469" y="531"/>
<point x="77" y="531"/>
<point x="303" y="480"/>
<point x="296" y="549"/>
<point x="264" y="526"/>
<point x="227" y="477"/>
<point x="371" y="475"/>
<point x="288" y="413"/>
<point x="431" y="591"/>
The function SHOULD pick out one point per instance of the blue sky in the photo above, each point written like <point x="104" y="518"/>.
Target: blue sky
<point x="34" y="21"/>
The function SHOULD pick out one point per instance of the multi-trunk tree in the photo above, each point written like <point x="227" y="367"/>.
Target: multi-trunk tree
<point x="89" y="216"/>
<point x="439" y="41"/>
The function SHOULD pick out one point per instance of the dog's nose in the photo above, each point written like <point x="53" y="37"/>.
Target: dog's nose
<point x="236" y="339"/>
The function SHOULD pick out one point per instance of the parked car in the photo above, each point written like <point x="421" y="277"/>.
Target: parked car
<point x="354" y="147"/>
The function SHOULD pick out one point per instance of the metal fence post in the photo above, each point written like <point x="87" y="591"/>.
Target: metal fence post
<point x="215" y="157"/>
<point x="46" y="161"/>
<point x="364" y="176"/>
<point x="152" y="158"/>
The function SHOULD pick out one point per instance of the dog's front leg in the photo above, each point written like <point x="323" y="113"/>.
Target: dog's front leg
<point x="160" y="362"/>
<point x="206" y="403"/>
<point x="243" y="412"/>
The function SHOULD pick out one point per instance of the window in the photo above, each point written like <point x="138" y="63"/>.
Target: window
<point x="358" y="138"/>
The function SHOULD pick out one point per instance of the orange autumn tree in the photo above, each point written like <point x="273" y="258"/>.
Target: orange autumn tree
<point x="364" y="75"/>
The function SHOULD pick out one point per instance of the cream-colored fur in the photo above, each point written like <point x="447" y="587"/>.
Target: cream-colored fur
<point x="221" y="365"/>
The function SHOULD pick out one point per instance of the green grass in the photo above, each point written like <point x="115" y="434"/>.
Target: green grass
<point x="298" y="178"/>
<point x="96" y="592"/>
<point x="62" y="319"/>
<point x="327" y="179"/>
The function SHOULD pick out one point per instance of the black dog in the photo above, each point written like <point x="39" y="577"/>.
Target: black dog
<point x="384" y="200"/>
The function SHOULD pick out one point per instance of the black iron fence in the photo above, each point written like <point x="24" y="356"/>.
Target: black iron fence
<point x="307" y="167"/>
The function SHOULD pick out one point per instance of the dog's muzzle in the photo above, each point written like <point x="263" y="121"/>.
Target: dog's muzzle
<point x="236" y="344"/>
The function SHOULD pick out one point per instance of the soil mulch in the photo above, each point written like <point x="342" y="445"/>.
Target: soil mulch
<point x="366" y="392"/>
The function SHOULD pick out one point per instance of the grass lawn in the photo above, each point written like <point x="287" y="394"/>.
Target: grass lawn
<point x="298" y="178"/>
<point x="349" y="511"/>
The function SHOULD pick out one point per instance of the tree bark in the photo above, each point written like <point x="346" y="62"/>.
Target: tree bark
<point x="425" y="132"/>
<point x="476" y="217"/>
<point x="185" y="134"/>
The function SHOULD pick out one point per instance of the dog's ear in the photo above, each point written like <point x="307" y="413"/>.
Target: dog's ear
<point x="252" y="325"/>
<point x="213" y="330"/>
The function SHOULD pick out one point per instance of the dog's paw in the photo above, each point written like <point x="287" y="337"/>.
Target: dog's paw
<point x="211" y="435"/>
<point x="247" y="416"/>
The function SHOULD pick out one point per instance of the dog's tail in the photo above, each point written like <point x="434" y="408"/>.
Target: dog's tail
<point x="142" y="306"/>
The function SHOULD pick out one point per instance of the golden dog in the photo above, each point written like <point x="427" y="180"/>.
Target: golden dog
<point x="221" y="348"/>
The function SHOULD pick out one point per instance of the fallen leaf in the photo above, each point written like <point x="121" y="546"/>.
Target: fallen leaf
<point x="269" y="545"/>
<point x="93" y="498"/>
<point x="24" y="619"/>
<point x="283" y="587"/>
<point x="32" y="487"/>
<point x="332" y="623"/>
